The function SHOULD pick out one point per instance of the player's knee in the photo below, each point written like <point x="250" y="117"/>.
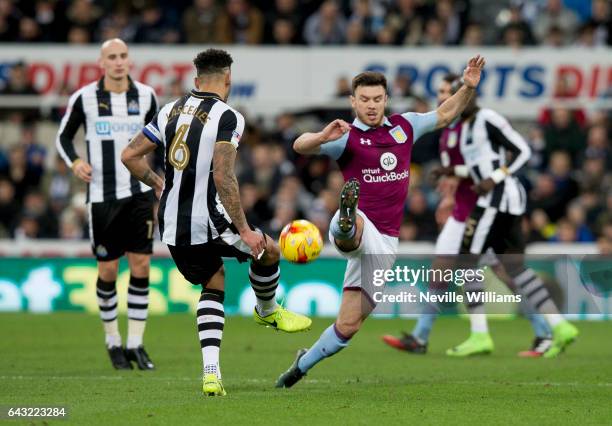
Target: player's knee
<point x="107" y="271"/>
<point x="272" y="253"/>
<point x="220" y="274"/>
<point x="348" y="327"/>
<point x="360" y="223"/>
<point x="217" y="281"/>
<point x="139" y="266"/>
<point x="348" y="246"/>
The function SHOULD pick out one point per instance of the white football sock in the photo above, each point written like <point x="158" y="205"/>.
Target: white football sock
<point x="136" y="330"/>
<point x="111" y="329"/>
<point x="478" y="322"/>
<point x="554" y="319"/>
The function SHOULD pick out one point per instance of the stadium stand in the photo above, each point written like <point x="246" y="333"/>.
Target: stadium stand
<point x="570" y="177"/>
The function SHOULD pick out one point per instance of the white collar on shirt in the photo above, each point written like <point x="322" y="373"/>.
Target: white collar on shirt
<point x="363" y="127"/>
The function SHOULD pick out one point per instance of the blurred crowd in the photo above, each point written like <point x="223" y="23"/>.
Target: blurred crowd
<point x="312" y="22"/>
<point x="569" y="178"/>
<point x="569" y="182"/>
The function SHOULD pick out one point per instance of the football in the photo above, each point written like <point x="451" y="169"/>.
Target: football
<point x="300" y="241"/>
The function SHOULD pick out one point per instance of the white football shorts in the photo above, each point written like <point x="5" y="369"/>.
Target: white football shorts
<point x="377" y="250"/>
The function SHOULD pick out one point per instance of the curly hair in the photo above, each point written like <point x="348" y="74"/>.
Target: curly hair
<point x="212" y="61"/>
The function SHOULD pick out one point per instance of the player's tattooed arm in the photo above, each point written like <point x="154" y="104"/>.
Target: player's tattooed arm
<point x="224" y="157"/>
<point x="454" y="106"/>
<point x="134" y="159"/>
<point x="226" y="183"/>
<point x="149" y="177"/>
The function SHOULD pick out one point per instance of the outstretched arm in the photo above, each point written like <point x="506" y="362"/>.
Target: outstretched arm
<point x="449" y="110"/>
<point x="134" y="159"/>
<point x="310" y="143"/>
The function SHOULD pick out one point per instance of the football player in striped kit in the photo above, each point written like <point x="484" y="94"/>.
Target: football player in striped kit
<point x="113" y="110"/>
<point x="458" y="196"/>
<point x="493" y="152"/>
<point x="200" y="215"/>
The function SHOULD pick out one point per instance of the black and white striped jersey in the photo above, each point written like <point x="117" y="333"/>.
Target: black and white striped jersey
<point x="111" y="120"/>
<point x="190" y="211"/>
<point x="485" y="144"/>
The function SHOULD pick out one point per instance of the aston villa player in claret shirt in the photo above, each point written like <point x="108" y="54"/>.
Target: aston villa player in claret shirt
<point x="374" y="156"/>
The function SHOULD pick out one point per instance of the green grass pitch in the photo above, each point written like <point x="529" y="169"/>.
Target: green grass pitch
<point x="60" y="359"/>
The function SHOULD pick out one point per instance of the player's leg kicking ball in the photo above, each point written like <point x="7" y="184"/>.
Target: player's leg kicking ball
<point x="283" y="320"/>
<point x="357" y="239"/>
<point x="347" y="235"/>
<point x="264" y="274"/>
<point x="210" y="315"/>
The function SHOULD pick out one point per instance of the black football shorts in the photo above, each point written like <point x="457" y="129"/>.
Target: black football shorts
<point x="489" y="228"/>
<point x="120" y="226"/>
<point x="198" y="263"/>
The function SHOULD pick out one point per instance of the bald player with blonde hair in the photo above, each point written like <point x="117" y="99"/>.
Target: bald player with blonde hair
<point x="113" y="110"/>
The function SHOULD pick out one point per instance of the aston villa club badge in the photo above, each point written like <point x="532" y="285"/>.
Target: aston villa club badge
<point x="398" y="134"/>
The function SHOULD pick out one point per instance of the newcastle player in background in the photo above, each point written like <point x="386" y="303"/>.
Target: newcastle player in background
<point x="112" y="110"/>
<point x="200" y="215"/>
<point x="494" y="223"/>
<point x="458" y="196"/>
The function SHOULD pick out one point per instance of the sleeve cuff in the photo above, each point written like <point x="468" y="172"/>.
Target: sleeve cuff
<point x="461" y="171"/>
<point x="235" y="145"/>
<point x="150" y="135"/>
<point x="499" y="175"/>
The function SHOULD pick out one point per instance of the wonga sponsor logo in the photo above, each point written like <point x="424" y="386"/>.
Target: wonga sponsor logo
<point x="105" y="128"/>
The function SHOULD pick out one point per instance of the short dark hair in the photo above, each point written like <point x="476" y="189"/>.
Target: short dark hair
<point x="369" y="78"/>
<point x="454" y="80"/>
<point x="212" y="61"/>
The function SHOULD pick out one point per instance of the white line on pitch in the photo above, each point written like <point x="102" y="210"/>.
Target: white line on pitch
<point x="163" y="379"/>
<point x="189" y="379"/>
